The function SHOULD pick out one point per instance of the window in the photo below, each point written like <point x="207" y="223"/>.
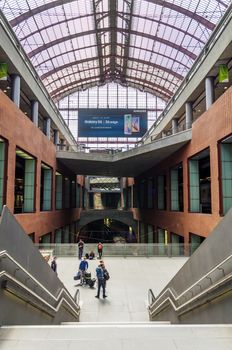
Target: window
<point x="200" y="183"/>
<point x="161" y="192"/>
<point x="67" y="193"/>
<point x="150" y="193"/>
<point x="59" y="191"/>
<point x="78" y="196"/>
<point x="73" y="194"/>
<point x="177" y="244"/>
<point x="46" y="188"/>
<point x="24" y="195"/>
<point x="177" y="188"/>
<point x="66" y="234"/>
<point x="195" y="241"/>
<point x="47" y="238"/>
<point x="2" y="172"/>
<point x="58" y="236"/>
<point x="226" y="174"/>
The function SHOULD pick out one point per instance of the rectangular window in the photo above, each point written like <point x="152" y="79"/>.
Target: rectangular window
<point x="129" y="193"/>
<point x="59" y="191"/>
<point x="66" y="234"/>
<point x="226" y="175"/>
<point x="2" y="172"/>
<point x="73" y="194"/>
<point x="161" y="192"/>
<point x="150" y="192"/>
<point x="46" y="188"/>
<point x="58" y="236"/>
<point x="177" y="188"/>
<point x="200" y="183"/>
<point x="46" y="238"/>
<point x="177" y="244"/>
<point x="67" y="193"/>
<point x="24" y="197"/>
<point x="195" y="241"/>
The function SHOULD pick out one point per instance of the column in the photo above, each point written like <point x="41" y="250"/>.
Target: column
<point x="209" y="92"/>
<point x="48" y="127"/>
<point x="35" y="112"/>
<point x="15" y="89"/>
<point x="188" y="115"/>
<point x="56" y="137"/>
<point x="174" y="125"/>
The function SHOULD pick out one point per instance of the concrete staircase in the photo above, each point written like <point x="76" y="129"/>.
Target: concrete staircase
<point x="120" y="336"/>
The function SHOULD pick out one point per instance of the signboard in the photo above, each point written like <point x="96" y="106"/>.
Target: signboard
<point x="223" y="76"/>
<point x="112" y="122"/>
<point x="3" y="71"/>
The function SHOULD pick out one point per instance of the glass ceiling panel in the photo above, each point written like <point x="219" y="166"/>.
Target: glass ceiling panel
<point x="142" y="43"/>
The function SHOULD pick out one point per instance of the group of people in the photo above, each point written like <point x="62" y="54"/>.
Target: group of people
<point x="101" y="272"/>
<point x="90" y="255"/>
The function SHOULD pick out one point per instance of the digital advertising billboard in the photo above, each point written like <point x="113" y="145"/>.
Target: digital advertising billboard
<point x="112" y="122"/>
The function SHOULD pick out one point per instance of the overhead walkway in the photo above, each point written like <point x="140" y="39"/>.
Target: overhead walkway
<point x="129" y="163"/>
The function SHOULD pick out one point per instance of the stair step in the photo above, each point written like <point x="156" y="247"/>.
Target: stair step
<point x="118" y="336"/>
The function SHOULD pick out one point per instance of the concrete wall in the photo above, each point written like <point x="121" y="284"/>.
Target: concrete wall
<point x="19" y="131"/>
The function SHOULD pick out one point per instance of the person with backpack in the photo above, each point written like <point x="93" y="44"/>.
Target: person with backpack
<point x="101" y="282"/>
<point x="54" y="264"/>
<point x="99" y="249"/>
<point x="82" y="268"/>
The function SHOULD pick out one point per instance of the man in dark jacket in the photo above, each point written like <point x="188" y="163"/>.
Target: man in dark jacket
<point x="82" y="268"/>
<point x="101" y="282"/>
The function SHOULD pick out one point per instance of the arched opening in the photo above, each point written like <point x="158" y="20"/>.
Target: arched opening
<point x="107" y="231"/>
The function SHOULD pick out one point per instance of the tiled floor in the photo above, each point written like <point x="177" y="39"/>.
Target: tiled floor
<point x="127" y="289"/>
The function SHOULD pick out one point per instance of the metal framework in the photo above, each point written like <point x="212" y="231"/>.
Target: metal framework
<point x="146" y="44"/>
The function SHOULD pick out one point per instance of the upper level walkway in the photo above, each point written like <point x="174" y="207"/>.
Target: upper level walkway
<point x="127" y="289"/>
<point x="130" y="163"/>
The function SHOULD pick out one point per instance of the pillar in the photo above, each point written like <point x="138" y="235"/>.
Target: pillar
<point x="48" y="127"/>
<point x="188" y="115"/>
<point x="35" y="112"/>
<point x="56" y="137"/>
<point x="15" y="89"/>
<point x="174" y="125"/>
<point x="209" y="92"/>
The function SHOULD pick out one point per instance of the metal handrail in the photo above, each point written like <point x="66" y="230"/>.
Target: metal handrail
<point x="77" y="296"/>
<point x="151" y="296"/>
<point x="59" y="298"/>
<point x="172" y="295"/>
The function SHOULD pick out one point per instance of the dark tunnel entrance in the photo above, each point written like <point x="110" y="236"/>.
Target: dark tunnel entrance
<point x="107" y="231"/>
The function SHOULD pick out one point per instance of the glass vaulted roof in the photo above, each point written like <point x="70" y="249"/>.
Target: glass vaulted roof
<point x="146" y="44"/>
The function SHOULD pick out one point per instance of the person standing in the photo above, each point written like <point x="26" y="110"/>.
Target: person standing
<point x="82" y="268"/>
<point x="101" y="282"/>
<point x="54" y="264"/>
<point x="80" y="248"/>
<point x="99" y="249"/>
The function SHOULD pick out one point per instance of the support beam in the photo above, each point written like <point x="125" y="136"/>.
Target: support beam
<point x="113" y="36"/>
<point x="209" y="92"/>
<point x="97" y="14"/>
<point x="128" y="20"/>
<point x="174" y="125"/>
<point x="188" y="115"/>
<point x="56" y="137"/>
<point x="48" y="127"/>
<point x="35" y="112"/>
<point x="15" y="89"/>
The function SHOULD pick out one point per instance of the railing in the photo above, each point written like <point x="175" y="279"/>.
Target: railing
<point x="217" y="277"/>
<point x="87" y="149"/>
<point x="25" y="285"/>
<point x="123" y="250"/>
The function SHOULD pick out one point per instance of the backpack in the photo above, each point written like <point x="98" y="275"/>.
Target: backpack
<point x="106" y="275"/>
<point x="100" y="246"/>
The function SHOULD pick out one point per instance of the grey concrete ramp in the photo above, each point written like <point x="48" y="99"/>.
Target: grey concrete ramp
<point x="117" y="337"/>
